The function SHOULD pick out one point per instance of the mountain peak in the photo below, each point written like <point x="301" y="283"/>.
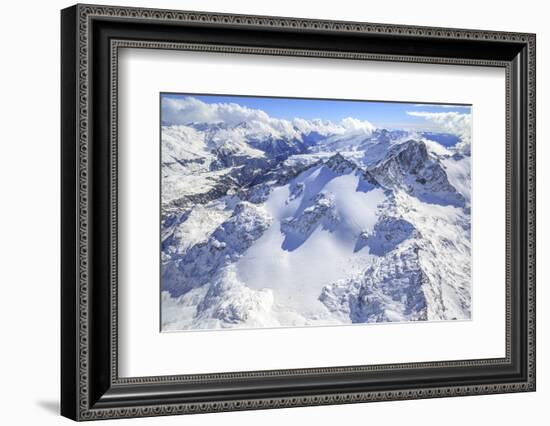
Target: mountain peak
<point x="412" y="154"/>
<point x="409" y="167"/>
<point x="243" y="125"/>
<point x="413" y="145"/>
<point x="339" y="164"/>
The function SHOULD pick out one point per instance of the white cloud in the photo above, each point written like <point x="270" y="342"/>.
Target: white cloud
<point x="191" y="110"/>
<point x="357" y="126"/>
<point x="188" y="110"/>
<point x="459" y="124"/>
<point x="323" y="127"/>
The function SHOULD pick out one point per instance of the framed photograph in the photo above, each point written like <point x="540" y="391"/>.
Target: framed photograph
<point x="263" y="212"/>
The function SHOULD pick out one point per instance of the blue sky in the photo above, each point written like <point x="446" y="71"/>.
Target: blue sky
<point x="382" y="114"/>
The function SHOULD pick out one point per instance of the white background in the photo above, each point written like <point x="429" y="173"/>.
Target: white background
<point x="146" y="352"/>
<point x="29" y="225"/>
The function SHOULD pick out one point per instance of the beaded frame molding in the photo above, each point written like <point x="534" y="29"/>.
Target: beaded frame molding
<point x="91" y="39"/>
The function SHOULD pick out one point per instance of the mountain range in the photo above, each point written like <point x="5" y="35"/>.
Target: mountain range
<point x="312" y="223"/>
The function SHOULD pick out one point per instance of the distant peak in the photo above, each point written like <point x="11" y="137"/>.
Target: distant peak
<point x="339" y="163"/>
<point x="413" y="146"/>
<point x="204" y="126"/>
<point x="336" y="158"/>
<point x="243" y="125"/>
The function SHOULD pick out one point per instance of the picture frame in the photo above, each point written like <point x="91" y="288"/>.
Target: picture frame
<point x="91" y="37"/>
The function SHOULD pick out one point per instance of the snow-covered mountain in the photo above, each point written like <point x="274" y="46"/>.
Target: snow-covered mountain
<point x="270" y="224"/>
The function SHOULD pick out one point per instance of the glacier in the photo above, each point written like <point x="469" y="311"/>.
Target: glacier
<point x="274" y="223"/>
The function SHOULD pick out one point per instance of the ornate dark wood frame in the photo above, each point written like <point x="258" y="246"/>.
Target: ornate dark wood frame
<point x="91" y="38"/>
